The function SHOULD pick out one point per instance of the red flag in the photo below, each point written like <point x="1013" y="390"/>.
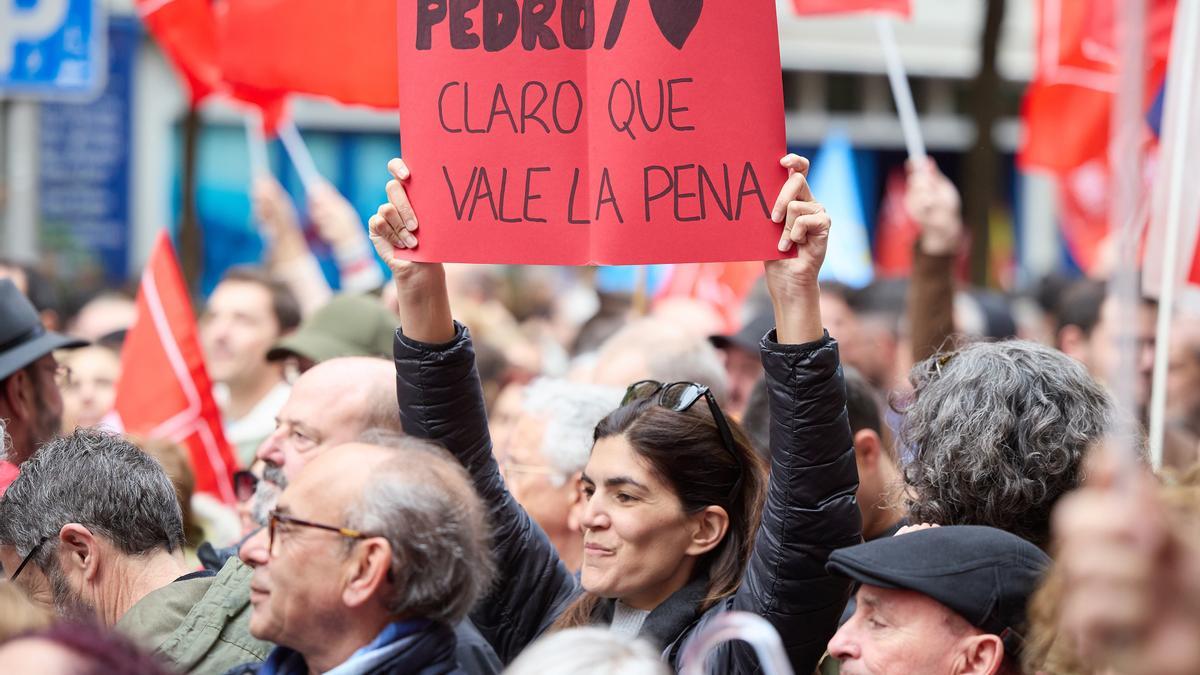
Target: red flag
<point x="1067" y="107"/>
<point x="343" y="50"/>
<point x="897" y="232"/>
<point x="722" y="285"/>
<point x="187" y="31"/>
<point x="164" y="390"/>
<point x="901" y="7"/>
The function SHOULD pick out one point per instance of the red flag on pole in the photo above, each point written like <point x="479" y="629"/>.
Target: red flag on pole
<point x="187" y="31"/>
<point x="164" y="390"/>
<point x="1067" y="108"/>
<point x="901" y="7"/>
<point x="343" y="50"/>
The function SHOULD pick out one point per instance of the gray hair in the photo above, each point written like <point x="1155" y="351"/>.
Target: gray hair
<point x="999" y="432"/>
<point x="422" y="502"/>
<point x="588" y="651"/>
<point x="572" y="411"/>
<point x="670" y="354"/>
<point x="98" y="480"/>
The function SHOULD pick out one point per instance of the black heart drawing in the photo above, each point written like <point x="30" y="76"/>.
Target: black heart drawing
<point x="677" y="18"/>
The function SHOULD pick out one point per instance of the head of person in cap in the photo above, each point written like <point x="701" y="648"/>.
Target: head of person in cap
<point x="30" y="401"/>
<point x="937" y="601"/>
<point x="348" y="325"/>
<point x="743" y="364"/>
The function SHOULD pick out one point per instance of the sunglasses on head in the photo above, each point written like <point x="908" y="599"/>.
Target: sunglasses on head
<point x="679" y="397"/>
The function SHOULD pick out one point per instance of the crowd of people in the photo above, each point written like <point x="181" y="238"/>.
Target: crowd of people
<point x="483" y="470"/>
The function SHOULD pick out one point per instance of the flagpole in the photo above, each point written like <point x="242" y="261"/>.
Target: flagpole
<point x="901" y="91"/>
<point x="1180" y="94"/>
<point x="257" y="144"/>
<point x="1125" y="154"/>
<point x="301" y="158"/>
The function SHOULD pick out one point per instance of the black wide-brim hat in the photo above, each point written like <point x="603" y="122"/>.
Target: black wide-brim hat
<point x="23" y="338"/>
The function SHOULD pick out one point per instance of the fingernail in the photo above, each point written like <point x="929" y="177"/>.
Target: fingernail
<point x="410" y="224"/>
<point x="776" y="216"/>
<point x="783" y="245"/>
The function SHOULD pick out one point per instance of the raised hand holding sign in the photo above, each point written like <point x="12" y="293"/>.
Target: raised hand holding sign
<point x="592" y="131"/>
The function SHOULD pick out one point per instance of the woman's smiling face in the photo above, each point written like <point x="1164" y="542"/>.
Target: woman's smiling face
<point x="638" y="541"/>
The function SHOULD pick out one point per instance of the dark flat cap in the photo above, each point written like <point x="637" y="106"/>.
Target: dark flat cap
<point x="983" y="574"/>
<point x="23" y="338"/>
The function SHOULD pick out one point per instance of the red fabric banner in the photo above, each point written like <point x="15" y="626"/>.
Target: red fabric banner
<point x="901" y="7"/>
<point x="896" y="232"/>
<point x="186" y="30"/>
<point x="1068" y="106"/>
<point x="343" y="50"/>
<point x="622" y="133"/>
<point x="164" y="390"/>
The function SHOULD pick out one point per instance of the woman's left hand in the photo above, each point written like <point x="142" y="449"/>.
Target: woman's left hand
<point x="792" y="281"/>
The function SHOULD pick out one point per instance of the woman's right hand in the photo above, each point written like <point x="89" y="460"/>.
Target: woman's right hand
<point x="422" y="298"/>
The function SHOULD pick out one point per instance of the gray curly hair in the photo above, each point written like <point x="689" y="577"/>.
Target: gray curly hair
<point x="998" y="433"/>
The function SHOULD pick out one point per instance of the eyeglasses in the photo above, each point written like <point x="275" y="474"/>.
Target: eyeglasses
<point x="679" y="397"/>
<point x="275" y="518"/>
<point x="244" y="485"/>
<point x="32" y="552"/>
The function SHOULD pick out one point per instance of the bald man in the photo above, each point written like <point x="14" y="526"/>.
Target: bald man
<point x="332" y="403"/>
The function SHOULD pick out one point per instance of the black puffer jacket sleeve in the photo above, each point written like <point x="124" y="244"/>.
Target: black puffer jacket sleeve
<point x="441" y="400"/>
<point x="810" y="508"/>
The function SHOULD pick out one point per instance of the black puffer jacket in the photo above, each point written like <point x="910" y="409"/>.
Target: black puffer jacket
<point x="810" y="508"/>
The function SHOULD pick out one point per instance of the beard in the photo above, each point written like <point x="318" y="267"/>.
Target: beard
<point x="266" y="493"/>
<point x="68" y="603"/>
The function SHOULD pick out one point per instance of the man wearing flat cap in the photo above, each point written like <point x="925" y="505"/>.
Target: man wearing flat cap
<point x="937" y="601"/>
<point x="30" y="402"/>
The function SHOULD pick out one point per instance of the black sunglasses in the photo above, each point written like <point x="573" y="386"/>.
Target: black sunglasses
<point x="244" y="485"/>
<point x="32" y="552"/>
<point x="679" y="397"/>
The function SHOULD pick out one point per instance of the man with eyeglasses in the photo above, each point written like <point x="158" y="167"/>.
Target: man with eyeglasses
<point x="92" y="528"/>
<point x="543" y="450"/>
<point x="330" y="404"/>
<point x="369" y="573"/>
<point x="30" y="401"/>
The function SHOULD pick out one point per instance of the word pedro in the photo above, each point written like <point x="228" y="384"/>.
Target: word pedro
<point x="503" y="20"/>
<point x="630" y="109"/>
<point x="692" y="192"/>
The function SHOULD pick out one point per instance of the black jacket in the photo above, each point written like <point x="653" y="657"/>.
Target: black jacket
<point x="810" y="508"/>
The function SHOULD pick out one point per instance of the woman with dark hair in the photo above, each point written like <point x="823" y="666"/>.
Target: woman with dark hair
<point x="679" y="522"/>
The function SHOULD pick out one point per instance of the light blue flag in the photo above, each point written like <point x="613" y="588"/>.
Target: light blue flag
<point x="834" y="182"/>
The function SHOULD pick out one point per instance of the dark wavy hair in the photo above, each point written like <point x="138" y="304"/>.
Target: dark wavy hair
<point x="998" y="433"/>
<point x="685" y="451"/>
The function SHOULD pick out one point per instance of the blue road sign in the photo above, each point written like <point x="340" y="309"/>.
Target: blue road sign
<point x="52" y="48"/>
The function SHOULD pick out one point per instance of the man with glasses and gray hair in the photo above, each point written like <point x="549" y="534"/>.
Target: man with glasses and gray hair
<point x="92" y="528"/>
<point x="370" y="572"/>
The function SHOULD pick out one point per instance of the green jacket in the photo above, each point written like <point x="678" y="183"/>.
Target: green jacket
<point x="198" y="625"/>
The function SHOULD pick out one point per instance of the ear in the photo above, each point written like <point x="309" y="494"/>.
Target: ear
<point x="981" y="655"/>
<point x="366" y="571"/>
<point x="18" y="395"/>
<point x="866" y="447"/>
<point x="79" y="551"/>
<point x="575" y="503"/>
<point x="708" y="529"/>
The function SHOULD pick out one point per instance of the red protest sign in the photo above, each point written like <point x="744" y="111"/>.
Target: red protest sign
<point x="592" y="131"/>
